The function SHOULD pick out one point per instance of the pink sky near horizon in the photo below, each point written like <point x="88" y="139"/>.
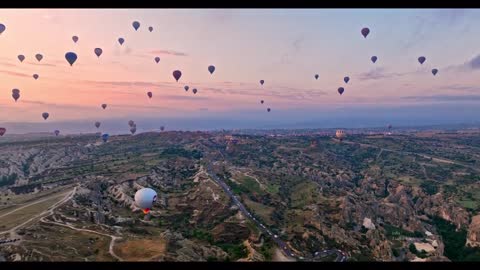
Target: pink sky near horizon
<point x="190" y="41"/>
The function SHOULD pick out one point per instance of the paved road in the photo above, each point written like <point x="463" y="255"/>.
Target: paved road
<point x="341" y="256"/>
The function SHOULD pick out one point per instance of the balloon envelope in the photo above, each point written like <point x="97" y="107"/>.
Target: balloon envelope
<point x="133" y="130"/>
<point x="71" y="57"/>
<point x="421" y="59"/>
<point x="145" y="198"/>
<point x="316" y="76"/>
<point x="15" y="94"/>
<point x="75" y="39"/>
<point x="261" y="101"/>
<point x="98" y="51"/>
<point x="121" y="41"/>
<point x="346" y="79"/>
<point x="2" y="131"/>
<point x="194" y="90"/>
<point x="150" y="28"/>
<point x="2" y="28"/>
<point x="131" y="123"/>
<point x="177" y="74"/>
<point x="434" y="71"/>
<point x="136" y="25"/>
<point x="268" y="110"/>
<point x="35" y="76"/>
<point x="374" y="59"/>
<point x="21" y="57"/>
<point x="211" y="69"/>
<point x="57" y="132"/>
<point x="341" y="90"/>
<point x="45" y="115"/>
<point x="186" y="87"/>
<point x="97" y="124"/>
<point x="262" y="82"/>
<point x="39" y="57"/>
<point x="365" y="31"/>
<point x="149" y="94"/>
<point x="105" y="137"/>
<point x="162" y="128"/>
<point x="157" y="59"/>
<point x="104" y="106"/>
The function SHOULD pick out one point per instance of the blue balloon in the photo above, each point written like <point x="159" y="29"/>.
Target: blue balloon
<point x="105" y="137"/>
<point x="121" y="40"/>
<point x="2" y="28"/>
<point x="71" y="57"/>
<point x="136" y="25"/>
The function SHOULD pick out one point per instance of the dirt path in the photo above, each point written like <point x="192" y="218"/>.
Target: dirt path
<point x="112" y="242"/>
<point x="49" y="211"/>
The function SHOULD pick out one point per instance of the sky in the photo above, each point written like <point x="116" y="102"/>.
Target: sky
<point x="284" y="47"/>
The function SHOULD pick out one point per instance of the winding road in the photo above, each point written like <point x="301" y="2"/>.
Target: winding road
<point x="341" y="256"/>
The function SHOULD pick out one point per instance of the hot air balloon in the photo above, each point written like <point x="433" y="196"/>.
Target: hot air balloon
<point x="71" y="57"/>
<point x="145" y="198"/>
<point x="157" y="59"/>
<point x="97" y="124"/>
<point x="2" y="131"/>
<point x="434" y="71"/>
<point x="39" y="57"/>
<point x="136" y="25"/>
<point x="131" y="123"/>
<point x="421" y="59"/>
<point x="194" y="90"/>
<point x="177" y="74"/>
<point x="133" y="130"/>
<point x="340" y="134"/>
<point x="211" y="69"/>
<point x="2" y="28"/>
<point x="346" y="79"/>
<point x="341" y="90"/>
<point x="150" y="28"/>
<point x="186" y="87"/>
<point x="268" y="110"/>
<point x="374" y="59"/>
<point x="261" y="101"/>
<point x="98" y="52"/>
<point x="75" y="39"/>
<point x="389" y="126"/>
<point x="45" y="115"/>
<point x="21" y="57"/>
<point x="15" y="94"/>
<point x="35" y="76"/>
<point x="316" y="76"/>
<point x="121" y="41"/>
<point x="105" y="137"/>
<point x="262" y="82"/>
<point x="162" y="128"/>
<point x="56" y="132"/>
<point x="149" y="94"/>
<point x="365" y="31"/>
<point x="104" y="106"/>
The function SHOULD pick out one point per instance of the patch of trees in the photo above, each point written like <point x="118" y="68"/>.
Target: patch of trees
<point x="455" y="240"/>
<point x="8" y="180"/>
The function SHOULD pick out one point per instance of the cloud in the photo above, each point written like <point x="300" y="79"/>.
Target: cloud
<point x="467" y="88"/>
<point x="13" y="73"/>
<point x="452" y="98"/>
<point x="167" y="52"/>
<point x="426" y="24"/>
<point x="293" y="50"/>
<point x="41" y="64"/>
<point x="7" y="65"/>
<point x="378" y="74"/>
<point x="468" y="66"/>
